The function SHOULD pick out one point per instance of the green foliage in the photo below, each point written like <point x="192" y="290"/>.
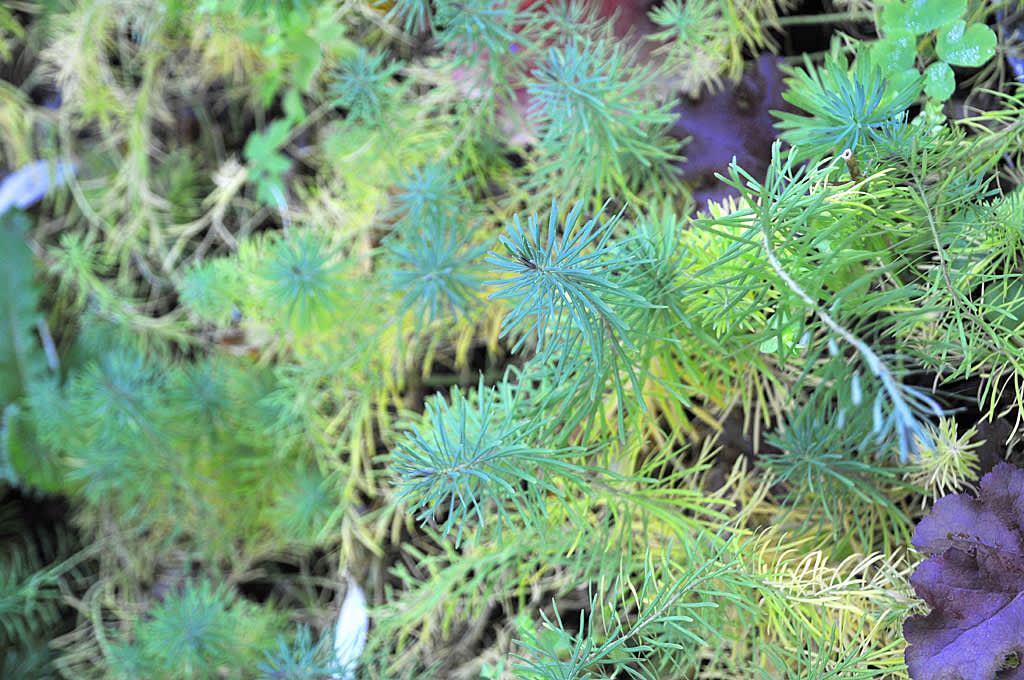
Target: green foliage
<point x="200" y="632"/>
<point x="832" y="660"/>
<point x="597" y="127"/>
<point x="782" y="208"/>
<point x="28" y="596"/>
<point x="122" y="421"/>
<point x="573" y="291"/>
<point x="363" y="84"/>
<point x="265" y="160"/>
<point x="35" y="565"/>
<point x="437" y="272"/>
<point x="291" y="35"/>
<point x="434" y="262"/>
<point x="922" y="17"/>
<point x="10" y="31"/>
<point x="303" y="284"/>
<point x="951" y="464"/>
<point x="303" y="504"/>
<point x="23" y="362"/>
<point x="561" y="281"/>
<point x="962" y="45"/>
<point x="650" y="446"/>
<point x="691" y="37"/>
<point x="955" y="42"/>
<point x="211" y="290"/>
<point x="478" y="458"/>
<point x="301" y="659"/>
<point x="21" y="357"/>
<point x="830" y="477"/>
<point x="416" y="15"/>
<point x="477" y="27"/>
<point x="430" y="195"/>
<point x="673" y="616"/>
<point x="685" y="26"/>
<point x="848" y="105"/>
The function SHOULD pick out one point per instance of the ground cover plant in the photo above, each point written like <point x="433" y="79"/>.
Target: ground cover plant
<point x="566" y="339"/>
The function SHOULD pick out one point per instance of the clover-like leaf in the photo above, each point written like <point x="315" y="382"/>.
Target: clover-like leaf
<point x="974" y="583"/>
<point x="896" y="52"/>
<point x="939" y="81"/>
<point x="921" y="16"/>
<point x="961" y="45"/>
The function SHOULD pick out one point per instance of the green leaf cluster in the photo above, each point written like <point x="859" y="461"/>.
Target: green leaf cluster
<point x="942" y="36"/>
<point x="199" y="631"/>
<point x="411" y="293"/>
<point x="847" y="104"/>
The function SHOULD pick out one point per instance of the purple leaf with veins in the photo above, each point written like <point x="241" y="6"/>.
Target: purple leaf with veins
<point x="974" y="583"/>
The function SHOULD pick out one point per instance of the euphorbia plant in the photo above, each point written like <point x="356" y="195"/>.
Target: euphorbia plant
<point x="334" y="324"/>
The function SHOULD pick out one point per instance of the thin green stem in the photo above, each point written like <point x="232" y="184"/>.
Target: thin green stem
<point x="904" y="415"/>
<point x="827" y="18"/>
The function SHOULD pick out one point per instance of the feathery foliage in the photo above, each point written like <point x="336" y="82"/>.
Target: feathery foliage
<point x="596" y="125"/>
<point x="363" y="84"/>
<point x="848" y="105"/>
<point x="253" y="344"/>
<point x="476" y="459"/>
<point x="199" y="631"/>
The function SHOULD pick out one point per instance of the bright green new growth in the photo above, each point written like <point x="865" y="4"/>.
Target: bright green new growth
<point x="482" y="461"/>
<point x="363" y="84"/>
<point x="597" y="123"/>
<point x="848" y="105"/>
<point x="642" y="445"/>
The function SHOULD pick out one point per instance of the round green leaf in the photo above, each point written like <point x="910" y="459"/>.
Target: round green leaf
<point x="895" y="52"/>
<point x="922" y="16"/>
<point x="905" y="79"/>
<point x="972" y="46"/>
<point x="939" y="82"/>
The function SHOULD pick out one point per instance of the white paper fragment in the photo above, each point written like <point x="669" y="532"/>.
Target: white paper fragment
<point x="350" y="633"/>
<point x="24" y="187"/>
